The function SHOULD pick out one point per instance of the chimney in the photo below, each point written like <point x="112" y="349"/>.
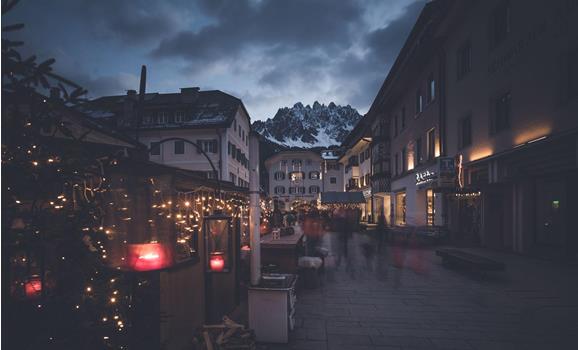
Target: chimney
<point x="128" y="109"/>
<point x="189" y="94"/>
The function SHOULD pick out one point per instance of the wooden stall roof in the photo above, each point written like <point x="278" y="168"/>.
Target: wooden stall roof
<point x="342" y="198"/>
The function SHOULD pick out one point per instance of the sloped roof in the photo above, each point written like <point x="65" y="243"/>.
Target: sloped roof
<point x="212" y="108"/>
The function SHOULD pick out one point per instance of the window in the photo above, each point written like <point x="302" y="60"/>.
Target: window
<point x="155" y="149"/>
<point x="235" y="124"/>
<point x="464" y="59"/>
<point x="239" y="131"/>
<point x="233" y="177"/>
<point x="313" y="189"/>
<point x="283" y="163"/>
<point x="210" y="174"/>
<point x="209" y="146"/>
<point x="418" y="154"/>
<point x="367" y="180"/>
<point x="296" y="175"/>
<point x="395" y="125"/>
<point x="301" y="190"/>
<point x="292" y="190"/>
<point x="332" y="180"/>
<point x="361" y="157"/>
<point x="296" y="163"/>
<point x="430" y="209"/>
<point x="396" y="163"/>
<point x="148" y="119"/>
<point x="367" y="153"/>
<point x="179" y="117"/>
<point x="431" y="89"/>
<point x="465" y="131"/>
<point x="243" y="134"/>
<point x="403" y="117"/>
<point x="163" y="117"/>
<point x="281" y="190"/>
<point x="418" y="102"/>
<point x="314" y="175"/>
<point x="400" y="208"/>
<point x="279" y="176"/>
<point x="500" y="23"/>
<point x="403" y="159"/>
<point x="501" y="114"/>
<point x="431" y="144"/>
<point x="179" y="147"/>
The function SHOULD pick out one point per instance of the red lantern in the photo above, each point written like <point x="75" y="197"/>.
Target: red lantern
<point x="217" y="262"/>
<point x="148" y="256"/>
<point x="33" y="287"/>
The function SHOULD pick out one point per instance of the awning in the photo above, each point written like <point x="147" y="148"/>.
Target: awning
<point x="342" y="198"/>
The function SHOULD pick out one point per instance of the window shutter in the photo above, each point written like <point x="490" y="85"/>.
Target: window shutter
<point x="199" y="146"/>
<point x="215" y="146"/>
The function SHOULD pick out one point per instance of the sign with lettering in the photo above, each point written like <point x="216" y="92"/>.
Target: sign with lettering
<point x="447" y="172"/>
<point x="424" y="177"/>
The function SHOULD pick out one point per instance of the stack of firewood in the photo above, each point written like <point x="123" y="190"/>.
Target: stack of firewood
<point x="228" y="335"/>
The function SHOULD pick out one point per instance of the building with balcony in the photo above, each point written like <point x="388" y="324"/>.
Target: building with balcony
<point x="295" y="176"/>
<point x="216" y="122"/>
<point x="356" y="162"/>
<point x="406" y="122"/>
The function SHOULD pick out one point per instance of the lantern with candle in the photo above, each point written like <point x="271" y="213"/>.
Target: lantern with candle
<point x="217" y="230"/>
<point x="139" y="221"/>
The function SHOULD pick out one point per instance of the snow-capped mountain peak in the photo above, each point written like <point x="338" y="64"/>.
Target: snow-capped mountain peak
<point x="309" y="126"/>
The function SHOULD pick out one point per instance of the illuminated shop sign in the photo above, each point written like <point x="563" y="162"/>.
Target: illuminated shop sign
<point x="424" y="177"/>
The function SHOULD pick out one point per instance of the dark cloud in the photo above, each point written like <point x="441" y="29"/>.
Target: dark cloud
<point x="386" y="42"/>
<point x="273" y="53"/>
<point x="287" y="25"/>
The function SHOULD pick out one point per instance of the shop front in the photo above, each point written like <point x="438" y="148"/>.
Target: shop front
<point x="419" y="198"/>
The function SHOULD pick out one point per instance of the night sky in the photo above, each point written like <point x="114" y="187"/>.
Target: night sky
<point x="269" y="53"/>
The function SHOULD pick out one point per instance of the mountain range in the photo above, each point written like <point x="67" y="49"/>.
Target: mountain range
<point x="308" y="126"/>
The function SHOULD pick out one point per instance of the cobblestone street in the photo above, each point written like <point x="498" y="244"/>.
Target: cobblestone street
<point x="388" y="297"/>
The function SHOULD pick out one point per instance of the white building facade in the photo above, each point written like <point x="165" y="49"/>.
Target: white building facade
<point x="214" y="121"/>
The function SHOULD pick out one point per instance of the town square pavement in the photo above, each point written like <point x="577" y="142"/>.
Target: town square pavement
<point x="380" y="296"/>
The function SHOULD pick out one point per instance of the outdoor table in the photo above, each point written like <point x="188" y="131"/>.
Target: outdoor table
<point x="283" y="252"/>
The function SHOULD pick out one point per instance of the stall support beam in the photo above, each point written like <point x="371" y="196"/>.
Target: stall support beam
<point x="255" y="209"/>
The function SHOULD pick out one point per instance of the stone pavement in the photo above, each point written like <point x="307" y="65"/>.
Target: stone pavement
<point x="391" y="297"/>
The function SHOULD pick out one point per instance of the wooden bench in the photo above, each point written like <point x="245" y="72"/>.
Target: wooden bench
<point x="469" y="260"/>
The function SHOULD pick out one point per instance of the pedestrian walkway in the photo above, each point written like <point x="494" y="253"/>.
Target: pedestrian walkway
<point x="376" y="296"/>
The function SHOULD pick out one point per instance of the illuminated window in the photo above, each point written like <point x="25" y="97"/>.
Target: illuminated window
<point x="296" y="175"/>
<point x="400" y="209"/>
<point x="430" y="209"/>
